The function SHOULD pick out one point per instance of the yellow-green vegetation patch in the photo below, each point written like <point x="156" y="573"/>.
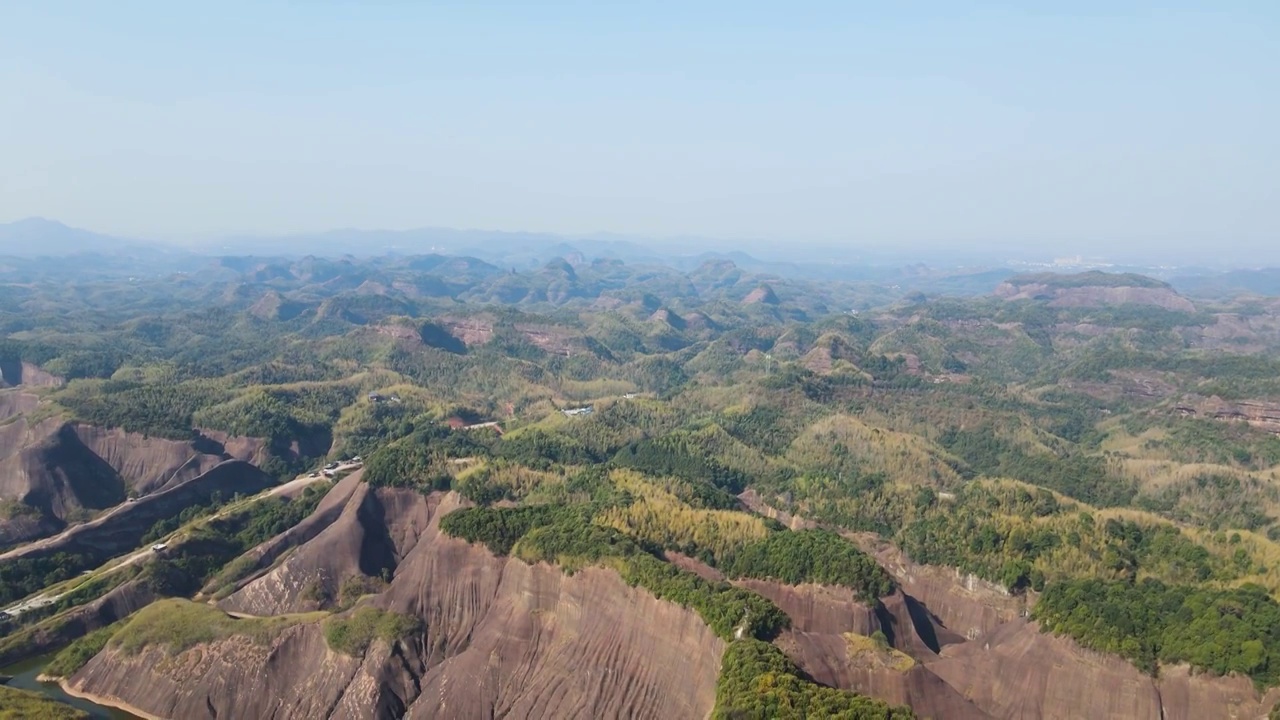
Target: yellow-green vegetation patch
<point x="846" y="443"/>
<point x="352" y="634"/>
<point x="11" y="509"/>
<point x="487" y="481"/>
<point x="735" y="454"/>
<point x="567" y="537"/>
<point x="1203" y="440"/>
<point x="1262" y="552"/>
<point x="356" y="587"/>
<point x="25" y="705"/>
<point x="1025" y="537"/>
<point x="758" y="681"/>
<point x="875" y="651"/>
<point x="179" y="625"/>
<point x="582" y="390"/>
<point x="660" y="516"/>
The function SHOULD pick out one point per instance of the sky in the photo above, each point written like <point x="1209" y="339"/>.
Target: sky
<point x="1083" y="126"/>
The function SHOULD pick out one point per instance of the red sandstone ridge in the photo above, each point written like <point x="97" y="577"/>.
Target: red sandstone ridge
<point x="763" y="294"/>
<point x="824" y="621"/>
<point x="1093" y="290"/>
<point x="501" y="638"/>
<point x="15" y="374"/>
<point x="400" y="331"/>
<point x="1019" y="672"/>
<point x="552" y="339"/>
<point x="471" y="331"/>
<point x="987" y="653"/>
<point x="478" y="330"/>
<point x="63" y="471"/>
<point x="826" y="352"/>
<point x="1262" y="415"/>
<point x="122" y="528"/>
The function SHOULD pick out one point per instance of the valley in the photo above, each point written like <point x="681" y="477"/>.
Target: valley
<point x="598" y="489"/>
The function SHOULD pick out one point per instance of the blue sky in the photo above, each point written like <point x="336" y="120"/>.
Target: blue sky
<point x="1084" y="125"/>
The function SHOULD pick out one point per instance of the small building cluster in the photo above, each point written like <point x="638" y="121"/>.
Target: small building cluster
<point x="333" y="468"/>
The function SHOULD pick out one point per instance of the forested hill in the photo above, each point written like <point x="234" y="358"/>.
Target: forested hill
<point x="1102" y="463"/>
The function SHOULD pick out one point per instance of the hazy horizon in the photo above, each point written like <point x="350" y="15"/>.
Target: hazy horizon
<point x="1113" y="128"/>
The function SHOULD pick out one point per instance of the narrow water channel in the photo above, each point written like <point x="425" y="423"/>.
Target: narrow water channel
<point x="24" y="678"/>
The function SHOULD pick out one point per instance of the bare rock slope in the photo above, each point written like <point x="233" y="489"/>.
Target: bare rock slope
<point x="974" y="653"/>
<point x="1093" y="289"/>
<point x="14" y="373"/>
<point x="121" y="529"/>
<point x="501" y="638"/>
<point x="1019" y="672"/>
<point x="60" y="472"/>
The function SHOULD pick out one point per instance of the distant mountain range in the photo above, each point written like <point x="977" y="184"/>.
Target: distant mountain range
<point x="32" y="239"/>
<point x="38" y="237"/>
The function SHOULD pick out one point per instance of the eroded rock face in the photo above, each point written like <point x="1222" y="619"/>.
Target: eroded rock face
<point x="965" y="606"/>
<point x="501" y="638"/>
<point x="827" y="660"/>
<point x="1235" y="333"/>
<point x="819" y="609"/>
<point x="753" y="501"/>
<point x="552" y="339"/>
<point x="1186" y="696"/>
<point x="1259" y="414"/>
<point x="471" y="331"/>
<point x="762" y="294"/>
<point x="551" y="646"/>
<point x="18" y="373"/>
<point x="504" y="639"/>
<point x="15" y="402"/>
<point x="118" y="603"/>
<point x="228" y="678"/>
<point x="823" y="617"/>
<point x="990" y="661"/>
<point x="122" y="529"/>
<point x="64" y="471"/>
<point x="1019" y="672"/>
<point x="355" y="532"/>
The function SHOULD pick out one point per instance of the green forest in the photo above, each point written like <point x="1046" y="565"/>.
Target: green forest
<point x="758" y="681"/>
<point x="1111" y="468"/>
<point x="1148" y="622"/>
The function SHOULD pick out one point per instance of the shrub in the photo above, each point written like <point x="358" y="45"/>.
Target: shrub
<point x="816" y="556"/>
<point x="74" y="656"/>
<point x="758" y="681"/>
<point x="179" y="625"/>
<point x="1224" y="631"/>
<point x="352" y="634"/>
<point x="567" y="537"/>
